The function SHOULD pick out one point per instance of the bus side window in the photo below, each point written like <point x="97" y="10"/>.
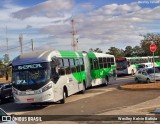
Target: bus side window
<point x="81" y="64"/>
<point x="61" y="71"/>
<point x="100" y="62"/>
<point x="108" y="62"/>
<point x="105" y="62"/>
<point x="60" y="63"/>
<point x="96" y="64"/>
<point x="112" y="61"/>
<point x="66" y="66"/>
<point x="72" y="65"/>
<point x="77" y="65"/>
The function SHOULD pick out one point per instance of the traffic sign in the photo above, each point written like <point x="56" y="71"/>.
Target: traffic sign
<point x="153" y="47"/>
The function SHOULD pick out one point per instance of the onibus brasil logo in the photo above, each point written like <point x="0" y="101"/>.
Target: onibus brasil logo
<point x="14" y="118"/>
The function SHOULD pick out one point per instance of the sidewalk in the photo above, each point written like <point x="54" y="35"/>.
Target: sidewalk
<point x="144" y="108"/>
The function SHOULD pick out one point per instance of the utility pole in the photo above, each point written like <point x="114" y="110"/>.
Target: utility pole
<point x="20" y="41"/>
<point x="32" y="45"/>
<point x="74" y="42"/>
<point x="7" y="42"/>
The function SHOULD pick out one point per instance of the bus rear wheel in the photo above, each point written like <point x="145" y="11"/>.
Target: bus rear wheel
<point x="148" y="80"/>
<point x="62" y="101"/>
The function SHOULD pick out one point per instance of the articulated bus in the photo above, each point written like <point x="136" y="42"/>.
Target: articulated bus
<point x="129" y="65"/>
<point x="51" y="76"/>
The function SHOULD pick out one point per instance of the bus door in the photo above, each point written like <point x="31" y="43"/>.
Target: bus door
<point x="96" y="72"/>
<point x="79" y="72"/>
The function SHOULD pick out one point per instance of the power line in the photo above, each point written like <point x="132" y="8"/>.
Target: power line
<point x="15" y="47"/>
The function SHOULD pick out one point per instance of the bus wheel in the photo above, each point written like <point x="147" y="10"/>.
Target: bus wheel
<point x="62" y="101"/>
<point x="137" y="81"/>
<point x="148" y="80"/>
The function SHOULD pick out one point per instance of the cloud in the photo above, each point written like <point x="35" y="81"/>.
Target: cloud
<point x="48" y="23"/>
<point x="87" y="6"/>
<point x="111" y="23"/>
<point x="28" y="26"/>
<point x="116" y="9"/>
<point x="50" y="9"/>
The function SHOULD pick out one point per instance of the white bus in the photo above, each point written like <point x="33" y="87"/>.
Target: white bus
<point x="51" y="76"/>
<point x="129" y="65"/>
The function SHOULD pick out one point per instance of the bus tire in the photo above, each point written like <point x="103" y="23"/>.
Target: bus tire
<point x="84" y="88"/>
<point x="137" y="80"/>
<point x="62" y="101"/>
<point x="148" y="80"/>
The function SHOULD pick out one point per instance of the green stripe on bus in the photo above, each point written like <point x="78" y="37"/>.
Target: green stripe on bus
<point x="102" y="73"/>
<point x="91" y="55"/>
<point x="158" y="63"/>
<point x="80" y="76"/>
<point x="68" y="54"/>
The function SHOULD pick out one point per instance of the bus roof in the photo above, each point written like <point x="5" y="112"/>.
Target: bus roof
<point x="94" y="55"/>
<point x="43" y="56"/>
<point x="46" y="56"/>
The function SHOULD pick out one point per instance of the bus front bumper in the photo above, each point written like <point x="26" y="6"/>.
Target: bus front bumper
<point x="35" y="98"/>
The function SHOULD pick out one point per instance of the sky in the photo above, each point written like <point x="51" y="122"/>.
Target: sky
<point x="98" y="23"/>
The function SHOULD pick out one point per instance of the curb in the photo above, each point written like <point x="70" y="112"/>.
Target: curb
<point x="138" y="89"/>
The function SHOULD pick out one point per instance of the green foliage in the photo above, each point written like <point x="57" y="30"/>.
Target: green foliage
<point x="6" y="59"/>
<point x="116" y="52"/>
<point x="4" y="66"/>
<point x="148" y="39"/>
<point x="142" y="50"/>
<point x="128" y="51"/>
<point x="97" y="50"/>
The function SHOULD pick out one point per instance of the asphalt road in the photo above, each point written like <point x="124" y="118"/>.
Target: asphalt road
<point x="95" y="101"/>
<point x="20" y="109"/>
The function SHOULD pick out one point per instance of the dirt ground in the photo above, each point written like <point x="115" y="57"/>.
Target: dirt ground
<point x="137" y="86"/>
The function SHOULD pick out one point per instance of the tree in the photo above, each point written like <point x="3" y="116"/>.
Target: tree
<point x="116" y="52"/>
<point x="97" y="50"/>
<point x="148" y="39"/>
<point x="6" y="62"/>
<point x="6" y="59"/>
<point x="137" y="51"/>
<point x="128" y="51"/>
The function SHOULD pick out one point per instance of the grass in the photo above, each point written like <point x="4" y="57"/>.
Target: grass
<point x="141" y="86"/>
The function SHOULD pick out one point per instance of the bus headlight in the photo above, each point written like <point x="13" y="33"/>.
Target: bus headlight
<point x="46" y="87"/>
<point x="15" y="91"/>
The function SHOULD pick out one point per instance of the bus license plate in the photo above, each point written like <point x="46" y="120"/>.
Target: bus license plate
<point x="30" y="100"/>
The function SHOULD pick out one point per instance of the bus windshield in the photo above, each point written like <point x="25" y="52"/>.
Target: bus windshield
<point x="30" y="77"/>
<point x="121" y="64"/>
<point x="30" y="74"/>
